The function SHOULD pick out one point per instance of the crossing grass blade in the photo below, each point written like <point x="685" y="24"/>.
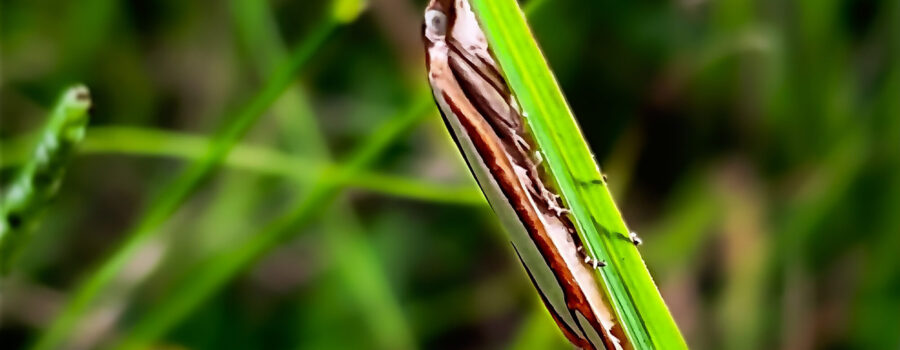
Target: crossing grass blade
<point x="146" y="142"/>
<point x="627" y="283"/>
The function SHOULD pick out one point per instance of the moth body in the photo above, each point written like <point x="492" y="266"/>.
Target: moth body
<point x="487" y="125"/>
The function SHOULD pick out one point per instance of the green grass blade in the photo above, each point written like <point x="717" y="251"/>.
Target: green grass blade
<point x="38" y="180"/>
<point x="630" y="289"/>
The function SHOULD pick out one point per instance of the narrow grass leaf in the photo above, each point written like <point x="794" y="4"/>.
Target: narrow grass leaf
<point x="626" y="281"/>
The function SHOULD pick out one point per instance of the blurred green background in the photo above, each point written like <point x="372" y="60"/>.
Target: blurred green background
<point x="754" y="145"/>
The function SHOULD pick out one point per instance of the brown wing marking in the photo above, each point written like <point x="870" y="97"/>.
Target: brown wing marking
<point x="563" y="326"/>
<point x="495" y="159"/>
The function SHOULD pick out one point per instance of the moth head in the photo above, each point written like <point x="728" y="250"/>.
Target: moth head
<point x="436" y="23"/>
<point x="439" y="17"/>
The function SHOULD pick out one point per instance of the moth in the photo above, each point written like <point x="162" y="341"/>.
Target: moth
<point x="481" y="113"/>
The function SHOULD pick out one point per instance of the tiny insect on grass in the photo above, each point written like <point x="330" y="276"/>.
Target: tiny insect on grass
<point x="485" y="120"/>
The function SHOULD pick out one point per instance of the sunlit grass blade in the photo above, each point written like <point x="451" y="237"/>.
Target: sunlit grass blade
<point x="39" y="178"/>
<point x="627" y="283"/>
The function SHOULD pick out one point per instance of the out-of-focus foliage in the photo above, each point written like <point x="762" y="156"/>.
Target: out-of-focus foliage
<point x="755" y="146"/>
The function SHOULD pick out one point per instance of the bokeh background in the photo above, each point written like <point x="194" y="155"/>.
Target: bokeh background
<point x="753" y="144"/>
